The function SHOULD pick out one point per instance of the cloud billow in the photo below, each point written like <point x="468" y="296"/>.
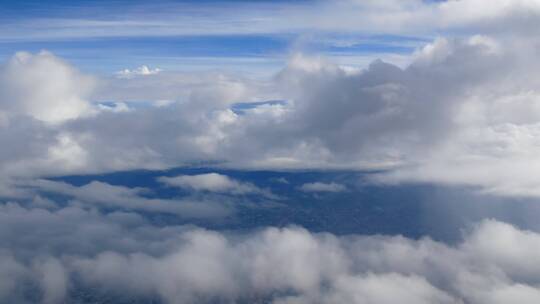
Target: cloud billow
<point x="494" y="263"/>
<point x="450" y="110"/>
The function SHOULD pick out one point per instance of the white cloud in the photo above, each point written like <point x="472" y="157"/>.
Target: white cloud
<point x="493" y="264"/>
<point x="388" y="16"/>
<point x="464" y="112"/>
<point x="43" y="87"/>
<point x="140" y="71"/>
<point x="212" y="182"/>
<point x="53" y="278"/>
<point x="102" y="194"/>
<point x="446" y="118"/>
<point x="323" y="187"/>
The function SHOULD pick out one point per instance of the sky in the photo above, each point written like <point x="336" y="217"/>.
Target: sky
<point x="285" y="152"/>
<point x="188" y="35"/>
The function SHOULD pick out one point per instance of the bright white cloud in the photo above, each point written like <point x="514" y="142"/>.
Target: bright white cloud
<point x="44" y="87"/>
<point x="212" y="182"/>
<point x="140" y="71"/>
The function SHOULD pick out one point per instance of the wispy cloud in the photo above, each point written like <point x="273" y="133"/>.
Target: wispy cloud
<point x="323" y="187"/>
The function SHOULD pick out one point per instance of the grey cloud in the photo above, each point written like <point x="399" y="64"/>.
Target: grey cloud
<point x="102" y="194"/>
<point x="494" y="262"/>
<point x="452" y="109"/>
<point x="323" y="187"/>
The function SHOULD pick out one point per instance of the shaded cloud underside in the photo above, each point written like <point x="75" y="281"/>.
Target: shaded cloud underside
<point x="495" y="263"/>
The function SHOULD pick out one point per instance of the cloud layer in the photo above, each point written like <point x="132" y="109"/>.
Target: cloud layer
<point x="465" y="111"/>
<point x="267" y="17"/>
<point x="120" y="254"/>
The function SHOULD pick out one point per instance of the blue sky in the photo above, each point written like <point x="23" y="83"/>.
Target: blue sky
<point x="107" y="36"/>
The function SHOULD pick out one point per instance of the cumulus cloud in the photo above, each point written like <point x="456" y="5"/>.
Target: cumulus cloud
<point x="106" y="195"/>
<point x="298" y="267"/>
<point x="323" y="187"/>
<point x="43" y="143"/>
<point x="44" y="87"/>
<point x="211" y="182"/>
<point x="446" y="118"/>
<point x="140" y="71"/>
<point x="494" y="263"/>
<point x="464" y="111"/>
<point x="449" y="116"/>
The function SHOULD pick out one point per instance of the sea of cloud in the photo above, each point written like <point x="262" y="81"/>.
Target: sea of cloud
<point x="465" y="111"/>
<point x="49" y="255"/>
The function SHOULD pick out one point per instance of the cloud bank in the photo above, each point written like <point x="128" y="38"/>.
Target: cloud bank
<point x="494" y="263"/>
<point x="463" y="112"/>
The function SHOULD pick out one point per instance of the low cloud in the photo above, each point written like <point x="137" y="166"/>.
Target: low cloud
<point x="101" y="194"/>
<point x="494" y="263"/>
<point x="451" y="116"/>
<point x="212" y="182"/>
<point x="323" y="187"/>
